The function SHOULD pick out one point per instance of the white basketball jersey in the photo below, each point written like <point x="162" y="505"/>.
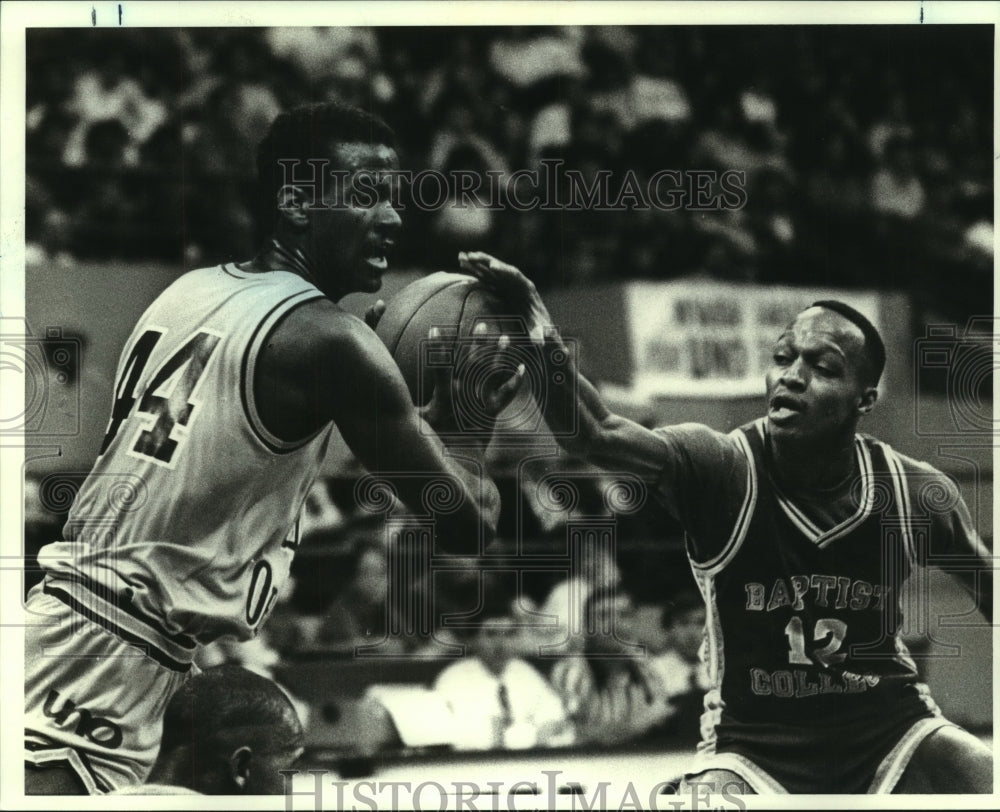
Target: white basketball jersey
<point x="186" y="526"/>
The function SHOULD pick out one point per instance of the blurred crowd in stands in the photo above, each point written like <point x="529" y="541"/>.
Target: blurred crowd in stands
<point x="867" y="150"/>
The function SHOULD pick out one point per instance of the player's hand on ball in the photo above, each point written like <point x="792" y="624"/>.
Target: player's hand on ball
<point x="499" y="390"/>
<point x="479" y="379"/>
<point x="512" y="286"/>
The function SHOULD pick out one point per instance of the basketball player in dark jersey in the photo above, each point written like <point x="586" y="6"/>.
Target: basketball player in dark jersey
<point x="800" y="533"/>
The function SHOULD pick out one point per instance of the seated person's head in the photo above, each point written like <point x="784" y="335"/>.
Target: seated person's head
<point x="493" y="637"/>
<point x="228" y="731"/>
<point x="607" y="617"/>
<point x="494" y="643"/>
<point x="684" y="620"/>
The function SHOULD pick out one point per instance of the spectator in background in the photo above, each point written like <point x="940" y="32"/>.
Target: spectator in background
<point x="109" y="93"/>
<point x="567" y="602"/>
<point x="896" y="189"/>
<point x="461" y="127"/>
<point x="656" y="92"/>
<point x="316" y="51"/>
<point x="773" y="225"/>
<point x="227" y="731"/>
<point x="836" y="181"/>
<point x="893" y="126"/>
<point x="679" y="668"/>
<point x="732" y="141"/>
<point x="466" y="217"/>
<point x="498" y="699"/>
<point x="527" y="56"/>
<point x="611" y="692"/>
<point x="358" y="615"/>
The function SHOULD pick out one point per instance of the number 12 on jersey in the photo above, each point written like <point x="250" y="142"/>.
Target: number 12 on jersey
<point x="167" y="400"/>
<point x="827" y="629"/>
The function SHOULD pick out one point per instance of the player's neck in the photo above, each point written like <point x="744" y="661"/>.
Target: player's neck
<point x="168" y="770"/>
<point x="281" y="255"/>
<point x="816" y="465"/>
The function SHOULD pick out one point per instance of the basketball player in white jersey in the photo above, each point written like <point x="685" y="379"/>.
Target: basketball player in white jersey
<point x="225" y="398"/>
<point x="800" y="533"/>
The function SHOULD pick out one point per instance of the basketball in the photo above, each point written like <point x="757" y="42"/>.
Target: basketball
<point x="451" y="301"/>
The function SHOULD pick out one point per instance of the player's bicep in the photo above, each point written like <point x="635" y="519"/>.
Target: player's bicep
<point x="371" y="405"/>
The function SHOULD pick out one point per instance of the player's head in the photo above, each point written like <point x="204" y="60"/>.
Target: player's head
<point x="322" y="176"/>
<point x="228" y="731"/>
<point x="824" y="373"/>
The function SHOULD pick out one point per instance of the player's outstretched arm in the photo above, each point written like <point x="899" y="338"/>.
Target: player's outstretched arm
<point x="573" y="408"/>
<point x="321" y="365"/>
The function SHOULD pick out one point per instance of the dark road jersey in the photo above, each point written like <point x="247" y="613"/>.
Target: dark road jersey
<point x="804" y="591"/>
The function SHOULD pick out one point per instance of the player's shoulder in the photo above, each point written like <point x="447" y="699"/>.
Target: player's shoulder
<point x="321" y="326"/>
<point x="690" y="432"/>
<point x="202" y="277"/>
<point x="919" y="474"/>
<point x="907" y="463"/>
<point x="698" y="441"/>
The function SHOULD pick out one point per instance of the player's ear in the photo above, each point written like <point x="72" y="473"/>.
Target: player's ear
<point x="293" y="205"/>
<point x="867" y="400"/>
<point x="239" y="767"/>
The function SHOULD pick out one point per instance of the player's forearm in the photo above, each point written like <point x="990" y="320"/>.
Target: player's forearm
<point x="571" y="405"/>
<point x="464" y="454"/>
<point x="462" y="531"/>
<point x="586" y="427"/>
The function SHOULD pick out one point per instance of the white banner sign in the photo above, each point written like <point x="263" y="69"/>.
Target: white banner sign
<point x="708" y="339"/>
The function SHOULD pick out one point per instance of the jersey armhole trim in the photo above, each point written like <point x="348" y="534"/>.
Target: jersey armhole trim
<point x="742" y="524"/>
<point x="902" y="494"/>
<point x="271" y="442"/>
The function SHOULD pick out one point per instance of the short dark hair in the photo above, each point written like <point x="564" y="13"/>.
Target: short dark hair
<point x="311" y="131"/>
<point x="226" y="706"/>
<point x="874" y="347"/>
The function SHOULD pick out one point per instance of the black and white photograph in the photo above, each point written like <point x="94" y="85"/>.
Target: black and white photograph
<point x="497" y="405"/>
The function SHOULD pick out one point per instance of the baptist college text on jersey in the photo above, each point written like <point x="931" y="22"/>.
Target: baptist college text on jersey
<point x="804" y="599"/>
<point x="183" y="531"/>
